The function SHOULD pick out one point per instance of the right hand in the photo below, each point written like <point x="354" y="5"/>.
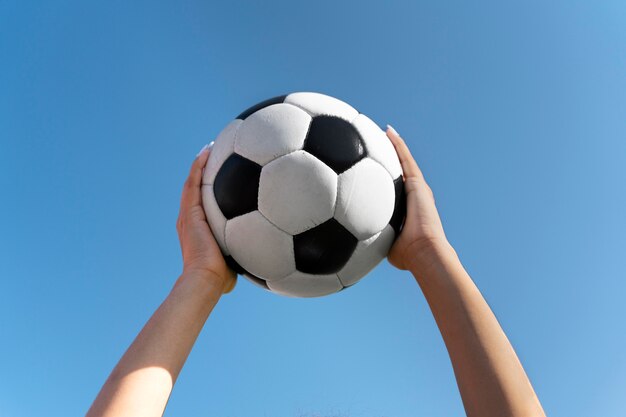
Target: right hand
<point x="422" y="231"/>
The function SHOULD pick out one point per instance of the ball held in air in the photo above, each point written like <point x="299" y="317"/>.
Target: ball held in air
<point x="303" y="194"/>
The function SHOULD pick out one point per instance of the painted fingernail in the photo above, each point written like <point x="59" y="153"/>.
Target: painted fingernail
<point x="393" y="130"/>
<point x="204" y="148"/>
<point x="211" y="144"/>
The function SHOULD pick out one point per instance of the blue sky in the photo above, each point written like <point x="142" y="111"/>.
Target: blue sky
<point x="515" y="112"/>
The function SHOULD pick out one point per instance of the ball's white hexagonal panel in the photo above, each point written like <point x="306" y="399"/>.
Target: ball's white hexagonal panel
<point x="222" y="149"/>
<point x="300" y="284"/>
<point x="367" y="254"/>
<point x="317" y="104"/>
<point x="378" y="145"/>
<point x="259" y="246"/>
<point x="215" y="218"/>
<point x="365" y="198"/>
<point x="297" y="191"/>
<point x="271" y="132"/>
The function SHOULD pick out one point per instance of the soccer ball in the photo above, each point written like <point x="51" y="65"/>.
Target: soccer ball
<point x="303" y="194"/>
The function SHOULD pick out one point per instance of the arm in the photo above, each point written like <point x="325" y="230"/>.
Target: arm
<point x="143" y="379"/>
<point x="491" y="379"/>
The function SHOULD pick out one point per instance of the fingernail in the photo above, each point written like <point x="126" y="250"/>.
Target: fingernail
<point x="204" y="148"/>
<point x="393" y="130"/>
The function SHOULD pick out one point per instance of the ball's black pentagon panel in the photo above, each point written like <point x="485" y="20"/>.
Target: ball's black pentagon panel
<point x="324" y="249"/>
<point x="335" y="142"/>
<point x="399" y="208"/>
<point x="259" y="106"/>
<point x="236" y="186"/>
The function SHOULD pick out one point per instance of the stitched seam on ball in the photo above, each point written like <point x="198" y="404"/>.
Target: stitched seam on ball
<point x="308" y="128"/>
<point x="232" y="151"/>
<point x="293" y="251"/>
<point x="306" y="135"/>
<point x="301" y="108"/>
<point x="367" y="151"/>
<point x="273" y="224"/>
<point x="236" y="135"/>
<point x="393" y="182"/>
<point x="222" y="214"/>
<point x="280" y="156"/>
<point x="383" y="165"/>
<point x="349" y="199"/>
<point x="339" y="278"/>
<point x="336" y="196"/>
<point x="225" y="243"/>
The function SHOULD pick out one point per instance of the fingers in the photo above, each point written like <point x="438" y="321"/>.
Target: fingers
<point x="191" y="190"/>
<point x="409" y="166"/>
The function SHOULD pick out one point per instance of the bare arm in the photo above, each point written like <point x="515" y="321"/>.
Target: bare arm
<point x="141" y="383"/>
<point x="491" y="379"/>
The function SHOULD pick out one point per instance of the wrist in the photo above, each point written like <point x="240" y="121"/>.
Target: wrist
<point x="426" y="259"/>
<point x="203" y="282"/>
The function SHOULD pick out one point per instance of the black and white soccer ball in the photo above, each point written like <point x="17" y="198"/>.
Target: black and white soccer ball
<point x="303" y="194"/>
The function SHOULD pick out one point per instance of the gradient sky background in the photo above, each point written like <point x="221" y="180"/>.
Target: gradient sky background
<point x="515" y="112"/>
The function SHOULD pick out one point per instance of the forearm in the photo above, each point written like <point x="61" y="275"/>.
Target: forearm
<point x="142" y="381"/>
<point x="490" y="376"/>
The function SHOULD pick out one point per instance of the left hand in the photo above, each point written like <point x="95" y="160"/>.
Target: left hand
<point x="201" y="253"/>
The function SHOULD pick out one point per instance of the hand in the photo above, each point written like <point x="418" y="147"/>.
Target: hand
<point x="422" y="230"/>
<point x="201" y="253"/>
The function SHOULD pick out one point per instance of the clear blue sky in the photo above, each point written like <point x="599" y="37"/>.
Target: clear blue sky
<point x="516" y="113"/>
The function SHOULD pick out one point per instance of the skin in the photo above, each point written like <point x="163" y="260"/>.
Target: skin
<point x="490" y="377"/>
